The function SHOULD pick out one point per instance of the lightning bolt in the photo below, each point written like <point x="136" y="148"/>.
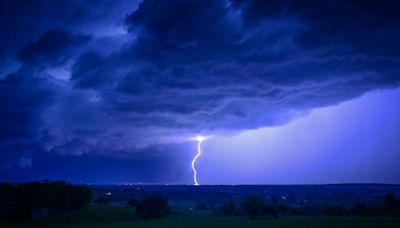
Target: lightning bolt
<point x="199" y="140"/>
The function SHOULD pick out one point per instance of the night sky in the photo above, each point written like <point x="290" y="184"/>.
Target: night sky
<point x="290" y="92"/>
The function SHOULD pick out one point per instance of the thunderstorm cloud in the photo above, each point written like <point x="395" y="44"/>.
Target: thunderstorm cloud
<point x="120" y="79"/>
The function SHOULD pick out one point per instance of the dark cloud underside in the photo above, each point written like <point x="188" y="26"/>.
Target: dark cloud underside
<point x="96" y="77"/>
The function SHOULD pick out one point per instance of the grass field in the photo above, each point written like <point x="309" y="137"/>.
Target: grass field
<point x="123" y="216"/>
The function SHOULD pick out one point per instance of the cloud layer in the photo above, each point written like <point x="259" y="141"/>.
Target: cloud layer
<point x="116" y="79"/>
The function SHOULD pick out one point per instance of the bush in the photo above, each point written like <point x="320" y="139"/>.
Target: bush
<point x="133" y="202"/>
<point x="361" y="209"/>
<point x="271" y="210"/>
<point x="334" y="210"/>
<point x="390" y="201"/>
<point x="152" y="207"/>
<point x="201" y="206"/>
<point x="228" y="208"/>
<point x="80" y="196"/>
<point x="253" y="205"/>
<point x="391" y="205"/>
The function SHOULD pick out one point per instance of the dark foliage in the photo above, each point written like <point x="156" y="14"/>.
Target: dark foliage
<point x="253" y="206"/>
<point x="227" y="209"/>
<point x="334" y="210"/>
<point x="23" y="200"/>
<point x="391" y="205"/>
<point x="152" y="207"/>
<point x="390" y="201"/>
<point x="271" y="210"/>
<point x="6" y="192"/>
<point x="56" y="194"/>
<point x="133" y="202"/>
<point x="361" y="209"/>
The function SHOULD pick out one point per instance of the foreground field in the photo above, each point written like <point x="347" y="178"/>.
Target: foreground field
<point x="122" y="216"/>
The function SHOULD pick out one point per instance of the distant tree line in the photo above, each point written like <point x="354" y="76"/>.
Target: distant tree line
<point x="155" y="207"/>
<point x="254" y="206"/>
<point x="147" y="208"/>
<point x="150" y="207"/>
<point x="390" y="206"/>
<point x="26" y="201"/>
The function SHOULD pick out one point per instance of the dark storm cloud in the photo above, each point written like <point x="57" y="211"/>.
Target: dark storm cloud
<point x="103" y="169"/>
<point x="184" y="67"/>
<point x="22" y="98"/>
<point x="89" y="71"/>
<point x="212" y="66"/>
<point x="22" y="101"/>
<point x="37" y="35"/>
<point x="24" y="21"/>
<point x="53" y="48"/>
<point x="246" y="64"/>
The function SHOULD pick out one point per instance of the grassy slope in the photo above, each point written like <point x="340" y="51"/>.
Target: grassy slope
<point x="122" y="216"/>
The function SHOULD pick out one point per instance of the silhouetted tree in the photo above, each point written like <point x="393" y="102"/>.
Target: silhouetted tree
<point x="80" y="196"/>
<point x="334" y="210"/>
<point x="253" y="205"/>
<point x="228" y="208"/>
<point x="201" y="206"/>
<point x="133" y="202"/>
<point x="6" y="192"/>
<point x="391" y="205"/>
<point x="361" y="209"/>
<point x="398" y="207"/>
<point x="275" y="201"/>
<point x="390" y="201"/>
<point x="57" y="194"/>
<point x="22" y="200"/>
<point x="152" y="207"/>
<point x="271" y="210"/>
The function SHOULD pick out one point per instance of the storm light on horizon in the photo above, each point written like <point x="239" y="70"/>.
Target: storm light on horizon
<point x="200" y="92"/>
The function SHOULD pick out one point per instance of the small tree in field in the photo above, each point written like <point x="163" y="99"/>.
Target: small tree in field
<point x="253" y="206"/>
<point x="133" y="202"/>
<point x="152" y="207"/>
<point x="201" y="206"/>
<point x="228" y="208"/>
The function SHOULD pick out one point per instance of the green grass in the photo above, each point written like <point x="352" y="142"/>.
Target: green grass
<point x="94" y="215"/>
<point x="123" y="216"/>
